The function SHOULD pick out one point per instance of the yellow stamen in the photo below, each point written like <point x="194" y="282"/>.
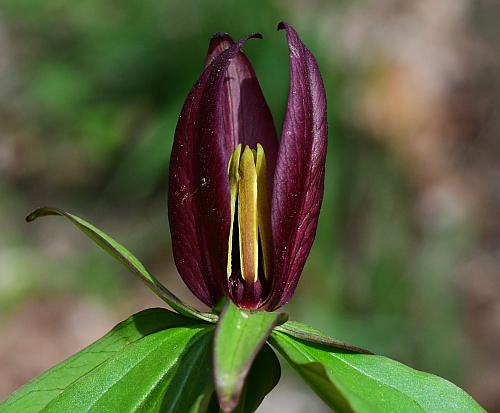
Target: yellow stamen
<point x="247" y="216"/>
<point x="263" y="210"/>
<point x="248" y="186"/>
<point x="234" y="176"/>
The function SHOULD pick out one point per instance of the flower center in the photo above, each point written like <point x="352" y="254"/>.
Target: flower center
<point x="250" y="206"/>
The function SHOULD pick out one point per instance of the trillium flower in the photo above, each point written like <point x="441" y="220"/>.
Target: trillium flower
<point x="243" y="213"/>
<point x="243" y="206"/>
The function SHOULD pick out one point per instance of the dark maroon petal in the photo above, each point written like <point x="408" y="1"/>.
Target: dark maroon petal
<point x="247" y="118"/>
<point x="300" y="170"/>
<point x="198" y="195"/>
<point x="218" y="43"/>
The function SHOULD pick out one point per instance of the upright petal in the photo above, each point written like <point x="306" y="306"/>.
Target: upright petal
<point x="198" y="195"/>
<point x="247" y="118"/>
<point x="300" y="170"/>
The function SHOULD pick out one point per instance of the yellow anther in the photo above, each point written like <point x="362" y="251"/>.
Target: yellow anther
<point x="233" y="171"/>
<point x="248" y="186"/>
<point x="247" y="216"/>
<point x="264" y="210"/>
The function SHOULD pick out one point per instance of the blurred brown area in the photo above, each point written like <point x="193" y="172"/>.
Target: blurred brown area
<point x="407" y="257"/>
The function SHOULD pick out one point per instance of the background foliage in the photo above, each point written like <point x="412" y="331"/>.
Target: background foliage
<point x="406" y="258"/>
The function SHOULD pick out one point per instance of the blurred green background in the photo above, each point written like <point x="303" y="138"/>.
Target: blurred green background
<point x="407" y="256"/>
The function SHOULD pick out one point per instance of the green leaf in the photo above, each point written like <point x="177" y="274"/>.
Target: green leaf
<point x="306" y="333"/>
<point x="126" y="258"/>
<point x="263" y="377"/>
<point x="154" y="361"/>
<point x="239" y="336"/>
<point x="360" y="383"/>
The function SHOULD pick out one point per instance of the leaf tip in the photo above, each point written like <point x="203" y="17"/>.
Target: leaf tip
<point x="43" y="211"/>
<point x="227" y="403"/>
<point x="34" y="214"/>
<point x="31" y="217"/>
